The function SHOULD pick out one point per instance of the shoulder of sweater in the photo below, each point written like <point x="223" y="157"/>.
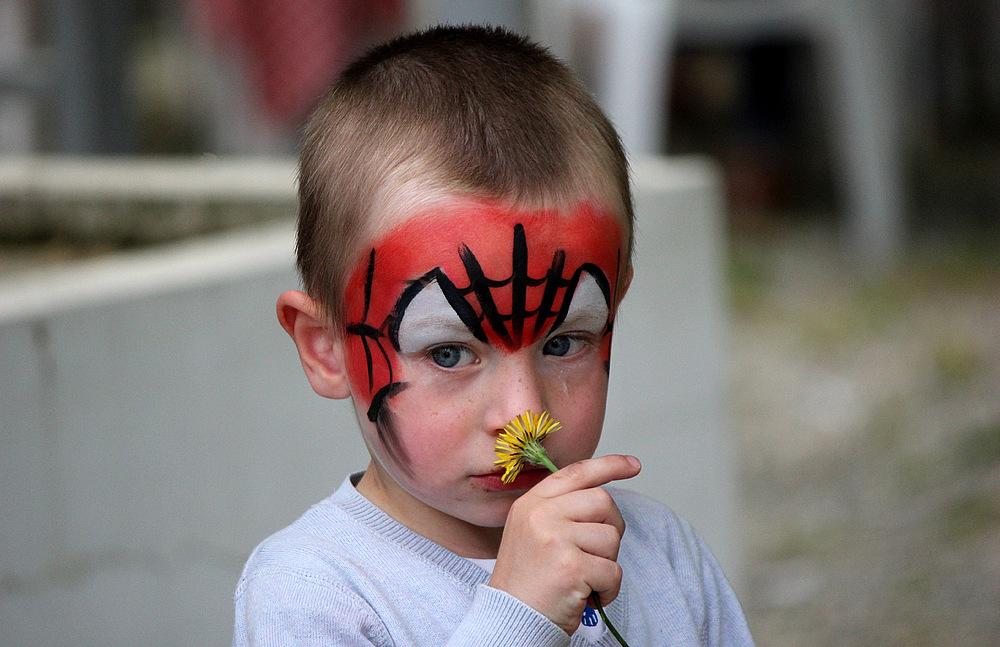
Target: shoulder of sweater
<point x="649" y="520"/>
<point x="314" y="539"/>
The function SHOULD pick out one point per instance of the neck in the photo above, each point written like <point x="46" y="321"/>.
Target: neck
<point x="458" y="536"/>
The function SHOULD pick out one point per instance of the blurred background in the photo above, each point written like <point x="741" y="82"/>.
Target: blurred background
<point x="854" y="147"/>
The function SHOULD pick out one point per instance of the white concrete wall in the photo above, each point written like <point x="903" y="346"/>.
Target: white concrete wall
<point x="669" y="394"/>
<point x="155" y="424"/>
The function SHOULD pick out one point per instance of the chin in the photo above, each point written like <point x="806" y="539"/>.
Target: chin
<point x="488" y="516"/>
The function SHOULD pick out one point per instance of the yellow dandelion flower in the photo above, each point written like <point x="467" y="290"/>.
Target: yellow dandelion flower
<point x="520" y="443"/>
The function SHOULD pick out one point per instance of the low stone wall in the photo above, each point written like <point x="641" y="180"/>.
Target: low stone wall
<point x="128" y="201"/>
<point x="155" y="424"/>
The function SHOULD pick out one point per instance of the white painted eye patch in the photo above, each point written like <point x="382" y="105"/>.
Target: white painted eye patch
<point x="588" y="311"/>
<point x="429" y="318"/>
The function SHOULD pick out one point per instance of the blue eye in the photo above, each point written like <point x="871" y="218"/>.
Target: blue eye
<point x="561" y="345"/>
<point x="450" y="356"/>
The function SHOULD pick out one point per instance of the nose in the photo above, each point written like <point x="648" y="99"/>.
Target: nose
<point x="517" y="386"/>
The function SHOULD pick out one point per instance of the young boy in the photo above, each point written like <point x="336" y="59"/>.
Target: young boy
<point x="464" y="236"/>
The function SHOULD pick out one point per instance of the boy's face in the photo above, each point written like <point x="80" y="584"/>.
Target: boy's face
<point x="461" y="318"/>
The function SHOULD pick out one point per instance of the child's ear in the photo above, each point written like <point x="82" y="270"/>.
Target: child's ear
<point x="321" y="350"/>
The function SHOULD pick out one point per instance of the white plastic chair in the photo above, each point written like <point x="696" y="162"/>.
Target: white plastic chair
<point x="623" y="49"/>
<point x="859" y="43"/>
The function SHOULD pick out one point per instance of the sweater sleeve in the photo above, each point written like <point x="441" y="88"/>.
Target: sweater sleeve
<point x="286" y="608"/>
<point x="277" y="607"/>
<point x="281" y="606"/>
<point x="498" y="619"/>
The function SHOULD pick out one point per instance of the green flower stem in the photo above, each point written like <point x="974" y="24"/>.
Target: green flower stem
<point x="535" y="454"/>
<point x="614" y="632"/>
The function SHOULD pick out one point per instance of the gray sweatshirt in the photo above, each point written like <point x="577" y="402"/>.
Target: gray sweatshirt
<point x="346" y="573"/>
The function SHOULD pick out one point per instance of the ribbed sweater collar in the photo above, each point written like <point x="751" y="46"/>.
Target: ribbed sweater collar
<point x="371" y="516"/>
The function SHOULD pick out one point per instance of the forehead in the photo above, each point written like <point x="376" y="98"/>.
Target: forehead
<point x="435" y="236"/>
<point x="507" y="275"/>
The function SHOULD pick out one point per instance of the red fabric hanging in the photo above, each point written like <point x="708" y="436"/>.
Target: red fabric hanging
<point x="294" y="48"/>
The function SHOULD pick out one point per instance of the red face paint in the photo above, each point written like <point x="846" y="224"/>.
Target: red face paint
<point x="508" y="275"/>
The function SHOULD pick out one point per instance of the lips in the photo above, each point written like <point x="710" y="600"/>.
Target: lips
<point x="527" y="479"/>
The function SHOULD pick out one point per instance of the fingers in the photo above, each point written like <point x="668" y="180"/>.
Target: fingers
<point x="605" y="580"/>
<point x="574" y="494"/>
<point x="591" y="506"/>
<point x="598" y="539"/>
<point x="602" y="576"/>
<point x="589" y="473"/>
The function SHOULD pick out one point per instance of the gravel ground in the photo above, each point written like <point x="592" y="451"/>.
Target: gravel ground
<point x="868" y="415"/>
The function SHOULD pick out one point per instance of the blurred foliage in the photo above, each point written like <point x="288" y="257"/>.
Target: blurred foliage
<point x="980" y="447"/>
<point x="970" y="515"/>
<point x="957" y="361"/>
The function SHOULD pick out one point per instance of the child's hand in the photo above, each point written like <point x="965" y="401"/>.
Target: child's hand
<point x="561" y="541"/>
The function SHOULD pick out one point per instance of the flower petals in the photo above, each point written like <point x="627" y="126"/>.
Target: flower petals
<point x="520" y="443"/>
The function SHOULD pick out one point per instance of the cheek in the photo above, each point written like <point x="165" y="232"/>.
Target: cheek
<point x="431" y="419"/>
<point x="577" y="399"/>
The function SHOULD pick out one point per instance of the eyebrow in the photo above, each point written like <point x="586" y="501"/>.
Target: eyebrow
<point x="591" y="316"/>
<point x="446" y="323"/>
<point x="423" y="326"/>
<point x="432" y="331"/>
<point x="588" y="307"/>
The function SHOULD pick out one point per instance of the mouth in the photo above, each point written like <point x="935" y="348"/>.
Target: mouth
<point x="529" y="477"/>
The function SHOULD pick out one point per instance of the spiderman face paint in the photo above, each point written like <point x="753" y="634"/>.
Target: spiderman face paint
<point x="473" y="279"/>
